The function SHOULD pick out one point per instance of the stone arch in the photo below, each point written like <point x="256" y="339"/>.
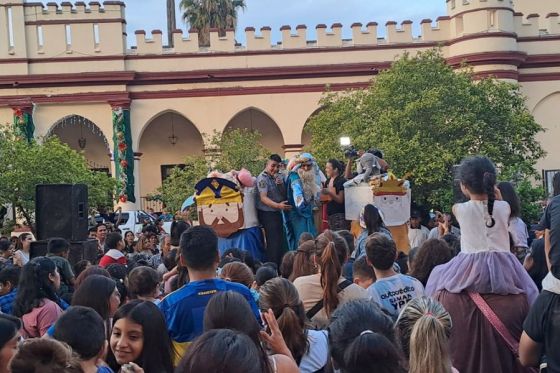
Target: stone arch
<point x="84" y="136"/>
<point x="546" y="114"/>
<point x="157" y="150"/>
<point x="256" y="119"/>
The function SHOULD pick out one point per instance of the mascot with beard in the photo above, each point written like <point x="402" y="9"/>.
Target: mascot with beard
<point x="303" y="190"/>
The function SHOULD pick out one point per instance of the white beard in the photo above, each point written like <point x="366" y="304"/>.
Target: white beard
<point x="310" y="187"/>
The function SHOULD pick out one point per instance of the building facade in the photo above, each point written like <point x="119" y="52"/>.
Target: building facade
<point x="66" y="70"/>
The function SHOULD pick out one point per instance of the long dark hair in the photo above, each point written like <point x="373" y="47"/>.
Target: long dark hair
<point x="372" y="219"/>
<point x="282" y="297"/>
<point x="35" y="285"/>
<point x="478" y="175"/>
<point x="222" y="350"/>
<point x="362" y="335"/>
<point x="156" y="354"/>
<point x="230" y="310"/>
<point x="303" y="264"/>
<point x="95" y="292"/>
<point x="332" y="252"/>
<point x="336" y="165"/>
<point x="432" y="253"/>
<point x="20" y="239"/>
<point x="510" y="196"/>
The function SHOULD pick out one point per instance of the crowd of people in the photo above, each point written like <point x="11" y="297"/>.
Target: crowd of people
<point x="477" y="292"/>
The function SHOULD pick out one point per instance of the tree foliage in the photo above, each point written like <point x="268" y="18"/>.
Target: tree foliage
<point x="426" y="117"/>
<point x="204" y="15"/>
<point x="23" y="165"/>
<point x="231" y="150"/>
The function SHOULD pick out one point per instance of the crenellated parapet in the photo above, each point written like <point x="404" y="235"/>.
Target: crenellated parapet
<point x="65" y="30"/>
<point x="54" y="30"/>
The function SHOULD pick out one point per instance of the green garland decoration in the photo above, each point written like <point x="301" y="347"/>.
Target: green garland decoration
<point x="23" y="124"/>
<point x="123" y="155"/>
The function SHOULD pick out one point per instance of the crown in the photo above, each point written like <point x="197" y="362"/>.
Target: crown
<point x="392" y="185"/>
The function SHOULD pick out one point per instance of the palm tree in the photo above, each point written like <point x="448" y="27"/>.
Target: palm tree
<point x="171" y="21"/>
<point x="206" y="14"/>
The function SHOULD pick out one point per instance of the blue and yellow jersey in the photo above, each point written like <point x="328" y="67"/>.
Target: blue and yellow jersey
<point x="184" y="309"/>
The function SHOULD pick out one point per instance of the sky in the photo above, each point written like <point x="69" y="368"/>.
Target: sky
<point x="150" y="14"/>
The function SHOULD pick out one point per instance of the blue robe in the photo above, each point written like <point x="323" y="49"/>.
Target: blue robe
<point x="300" y="219"/>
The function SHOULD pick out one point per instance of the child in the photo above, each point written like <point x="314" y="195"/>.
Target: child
<point x="9" y="339"/>
<point x="140" y="337"/>
<point x="9" y="278"/>
<point x="362" y="272"/>
<point x="115" y="254"/>
<point x="5" y="253"/>
<point x="391" y="290"/>
<point x="90" y="346"/>
<point x="424" y="319"/>
<point x="58" y="249"/>
<point x="485" y="274"/>
<point x="143" y="284"/>
<point x="44" y="355"/>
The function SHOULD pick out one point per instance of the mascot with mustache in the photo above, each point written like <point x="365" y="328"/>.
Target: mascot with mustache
<point x="303" y="190"/>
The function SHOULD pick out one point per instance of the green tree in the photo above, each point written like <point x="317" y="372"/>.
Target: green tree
<point x="180" y="183"/>
<point x="426" y="117"/>
<point x="24" y="165"/>
<point x="231" y="150"/>
<point x="238" y="148"/>
<point x="204" y="15"/>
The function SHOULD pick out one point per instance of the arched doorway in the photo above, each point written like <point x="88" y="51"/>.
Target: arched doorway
<point x="306" y="134"/>
<point x="84" y="136"/>
<point x="165" y="143"/>
<point x="255" y="119"/>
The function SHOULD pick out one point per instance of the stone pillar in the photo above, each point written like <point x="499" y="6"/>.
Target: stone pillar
<point x="23" y="121"/>
<point x="292" y="149"/>
<point x="139" y="201"/>
<point x="123" y="153"/>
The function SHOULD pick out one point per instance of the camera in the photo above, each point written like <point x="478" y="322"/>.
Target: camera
<point x="350" y="152"/>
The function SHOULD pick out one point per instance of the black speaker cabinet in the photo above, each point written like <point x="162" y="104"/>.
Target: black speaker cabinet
<point x="61" y="210"/>
<point x="79" y="250"/>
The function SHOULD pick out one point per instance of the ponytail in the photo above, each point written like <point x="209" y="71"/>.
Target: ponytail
<point x="331" y="270"/>
<point x="282" y="297"/>
<point x="371" y="349"/>
<point x="489" y="183"/>
<point x="430" y="357"/>
<point x="293" y="332"/>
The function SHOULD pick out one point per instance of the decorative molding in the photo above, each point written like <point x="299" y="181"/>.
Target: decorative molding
<point x="74" y="21"/>
<point x="490" y="8"/>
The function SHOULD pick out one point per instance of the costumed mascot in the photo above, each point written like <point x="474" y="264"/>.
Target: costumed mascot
<point x="303" y="186"/>
<point x="227" y="203"/>
<point x="392" y="197"/>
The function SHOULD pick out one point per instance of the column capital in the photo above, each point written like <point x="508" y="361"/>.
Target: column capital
<point x="123" y="102"/>
<point x="25" y="106"/>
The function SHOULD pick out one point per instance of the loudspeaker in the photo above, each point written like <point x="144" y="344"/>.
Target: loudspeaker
<point x="79" y="250"/>
<point x="61" y="210"/>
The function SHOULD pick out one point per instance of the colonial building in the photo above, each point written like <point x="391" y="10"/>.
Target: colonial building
<point x="66" y="70"/>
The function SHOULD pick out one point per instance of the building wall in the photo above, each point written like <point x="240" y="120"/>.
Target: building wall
<point x="72" y="59"/>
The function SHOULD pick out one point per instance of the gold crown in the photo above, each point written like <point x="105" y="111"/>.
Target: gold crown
<point x="391" y="185"/>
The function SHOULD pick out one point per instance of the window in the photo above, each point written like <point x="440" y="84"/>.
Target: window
<point x="11" y="43"/>
<point x="96" y="34"/>
<point x="167" y="169"/>
<point x="40" y="40"/>
<point x="548" y="175"/>
<point x="68" y="30"/>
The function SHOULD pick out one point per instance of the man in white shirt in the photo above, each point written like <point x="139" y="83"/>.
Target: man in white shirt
<point x="417" y="233"/>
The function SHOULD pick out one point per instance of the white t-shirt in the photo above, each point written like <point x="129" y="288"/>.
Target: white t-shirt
<point x="475" y="235"/>
<point x="393" y="293"/>
<point x="318" y="354"/>
<point x="518" y="230"/>
<point x="416" y="237"/>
